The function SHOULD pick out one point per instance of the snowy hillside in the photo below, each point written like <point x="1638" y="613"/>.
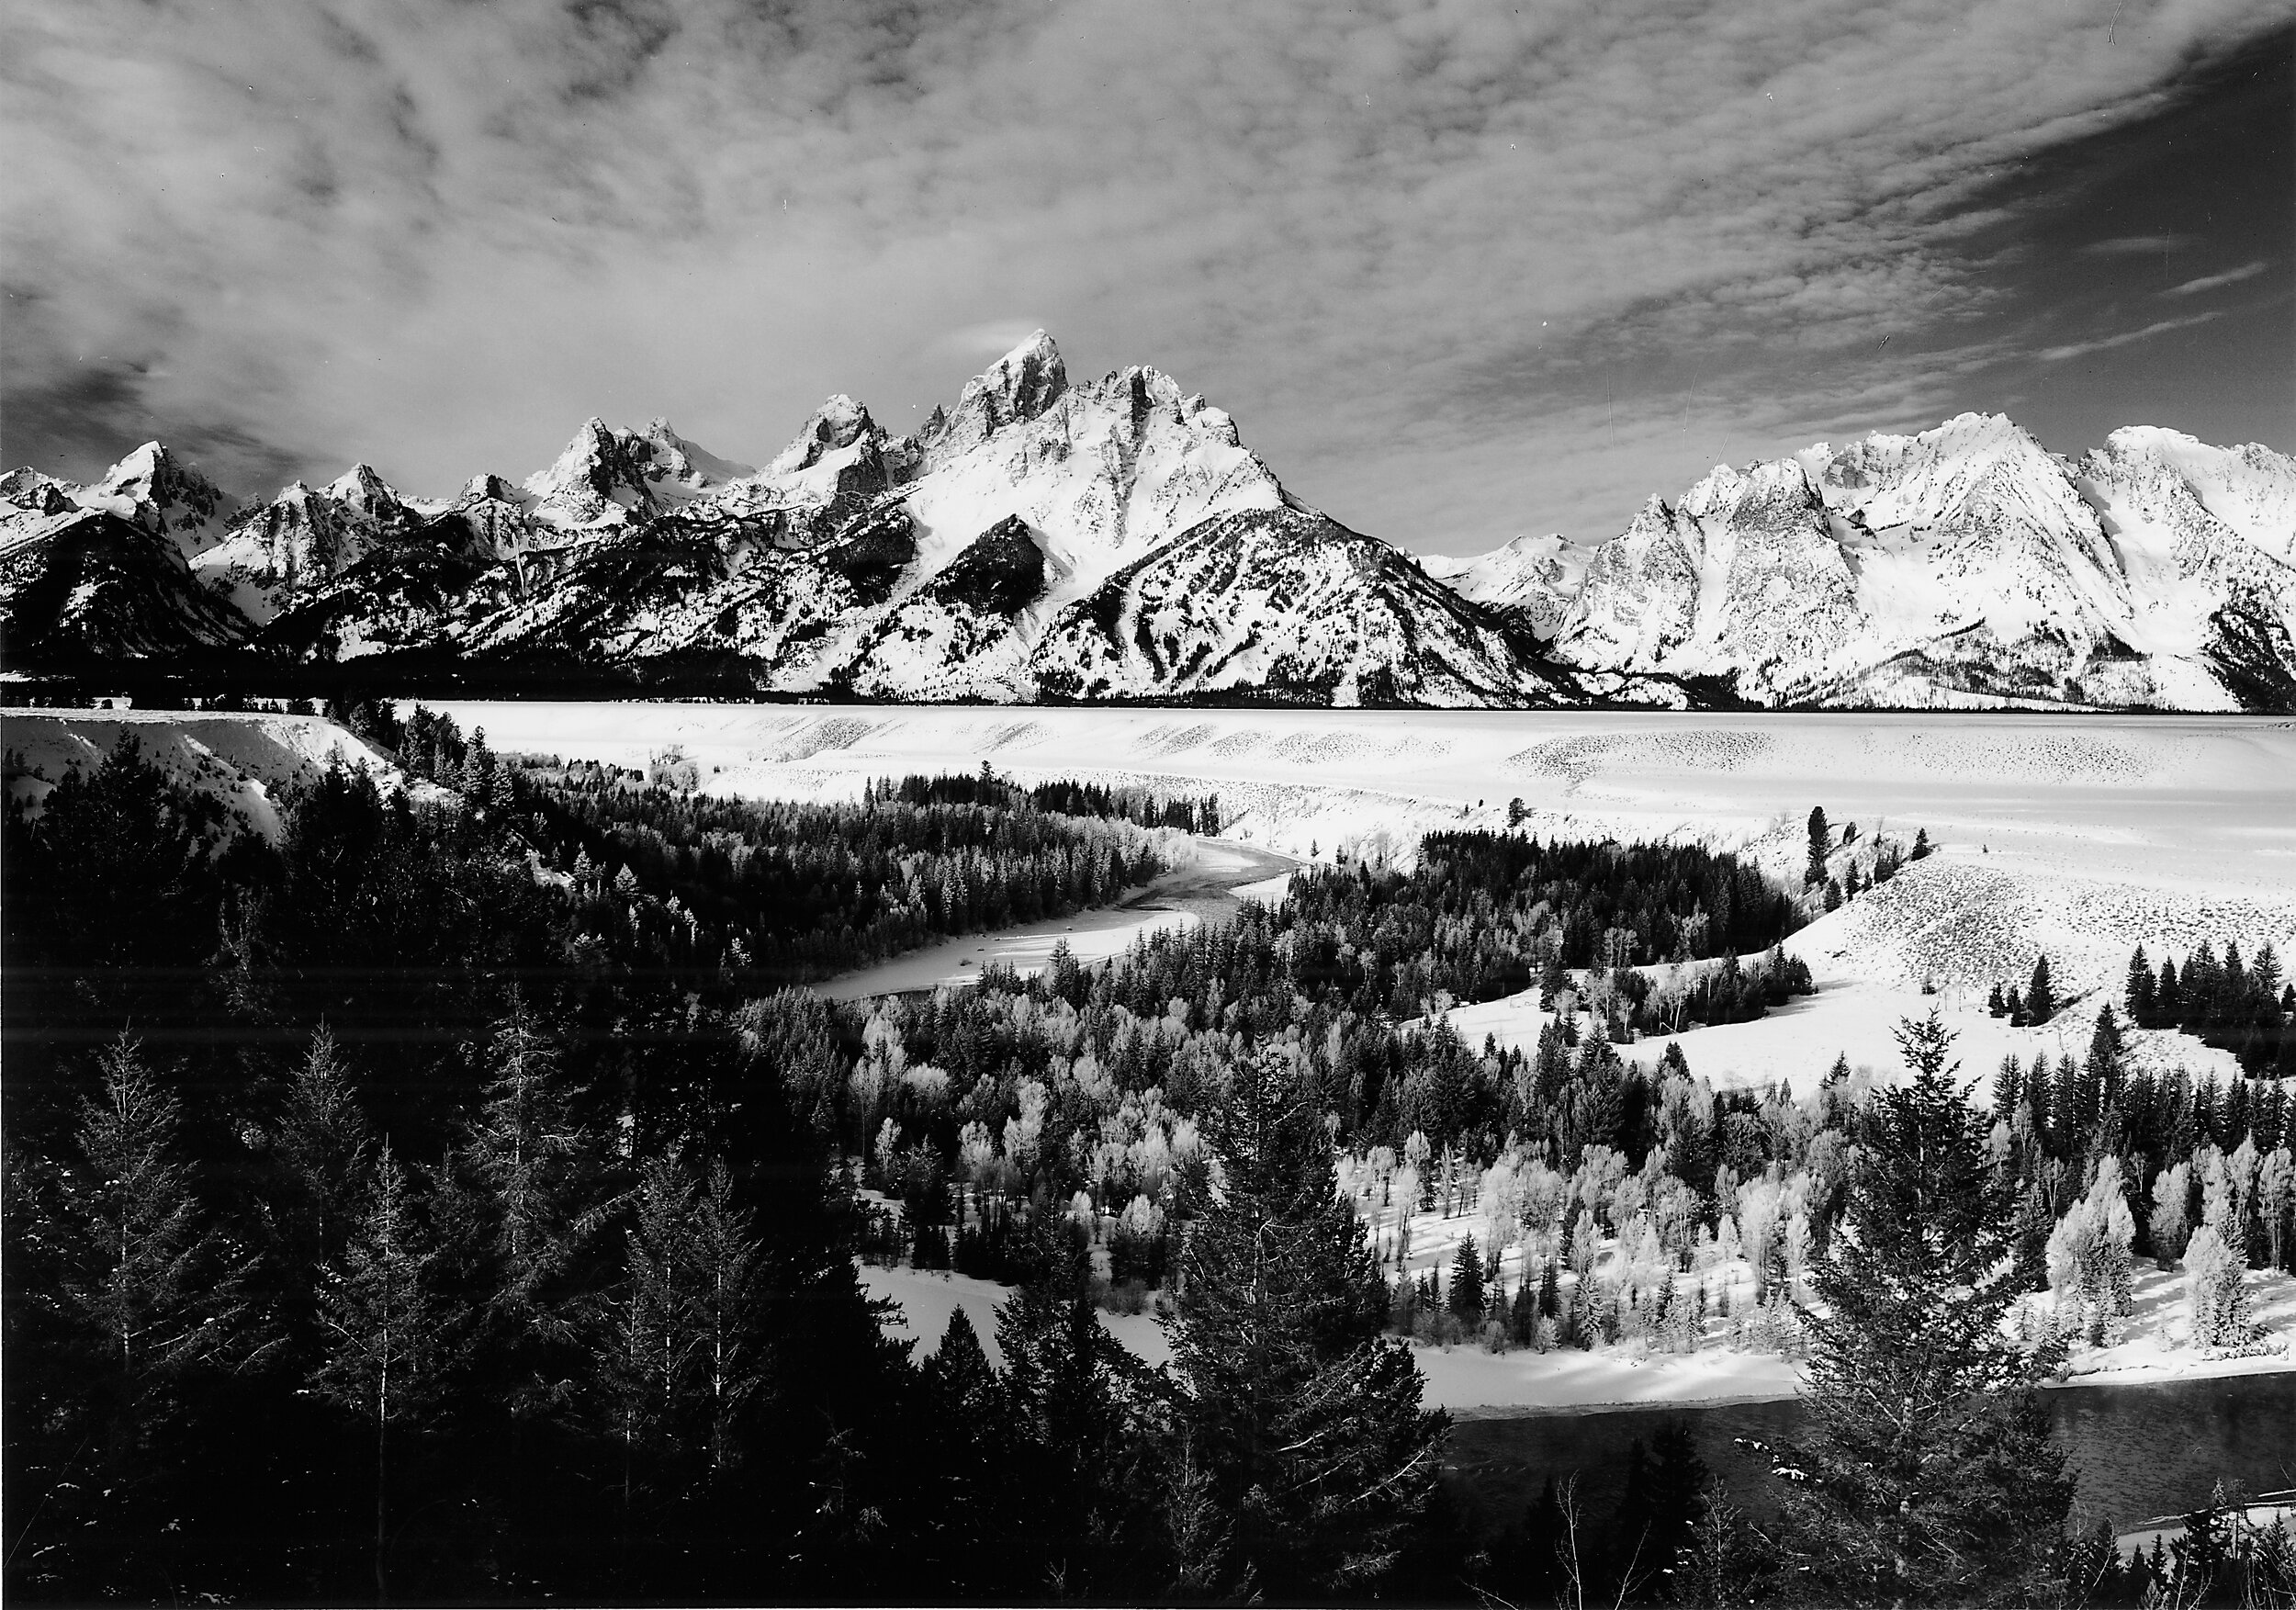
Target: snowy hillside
<point x="245" y="760"/>
<point x="1050" y="538"/>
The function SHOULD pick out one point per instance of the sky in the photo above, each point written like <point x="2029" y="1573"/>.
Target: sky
<point x="1461" y="271"/>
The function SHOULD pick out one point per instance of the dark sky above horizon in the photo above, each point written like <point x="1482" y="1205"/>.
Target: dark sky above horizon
<point x="1459" y="270"/>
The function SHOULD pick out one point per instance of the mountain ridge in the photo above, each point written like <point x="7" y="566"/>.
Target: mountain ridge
<point x="1112" y="538"/>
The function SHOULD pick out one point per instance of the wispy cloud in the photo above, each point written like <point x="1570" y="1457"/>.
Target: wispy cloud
<point x="2136" y="246"/>
<point x="2057" y="354"/>
<point x="2209" y="282"/>
<point x="990" y="340"/>
<point x="436" y="235"/>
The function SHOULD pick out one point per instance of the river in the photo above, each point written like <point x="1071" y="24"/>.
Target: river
<point x="1219" y="876"/>
<point x="2138" y="1451"/>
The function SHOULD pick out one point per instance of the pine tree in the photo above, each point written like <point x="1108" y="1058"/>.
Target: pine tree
<point x="536" y="1172"/>
<point x="144" y="1271"/>
<point x="2040" y="1000"/>
<point x="1467" y="1298"/>
<point x="2141" y="995"/>
<point x="641" y="1355"/>
<point x="323" y="1147"/>
<point x="1307" y="1420"/>
<point x="386" y="1353"/>
<point x="1076" y="1407"/>
<point x="1664" y="1499"/>
<point x="1932" y="1474"/>
<point x="1821" y="841"/>
<point x="121" y="1296"/>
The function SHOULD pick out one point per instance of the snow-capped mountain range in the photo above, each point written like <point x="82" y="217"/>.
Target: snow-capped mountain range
<point x="1113" y="539"/>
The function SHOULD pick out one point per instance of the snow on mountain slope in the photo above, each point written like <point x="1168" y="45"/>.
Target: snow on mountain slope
<point x="154" y="488"/>
<point x="89" y="587"/>
<point x="1289" y="602"/>
<point x="1532" y="578"/>
<point x="1964" y="563"/>
<point x="858" y="560"/>
<point x="599" y="480"/>
<point x="677" y="470"/>
<point x="275" y="553"/>
<point x="1049" y="538"/>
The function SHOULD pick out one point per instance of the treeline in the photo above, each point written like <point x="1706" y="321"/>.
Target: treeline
<point x="1482" y="915"/>
<point x="421" y="1239"/>
<point x="1143" y="808"/>
<point x="773" y="889"/>
<point x="2248" y="1010"/>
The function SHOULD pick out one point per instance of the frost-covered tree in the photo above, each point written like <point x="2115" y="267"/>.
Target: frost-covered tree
<point x="2276" y="1192"/>
<point x="2216" y="1289"/>
<point x="123" y="1295"/>
<point x="1932" y="1474"/>
<point x="2170" y="1219"/>
<point x="2088" y="1253"/>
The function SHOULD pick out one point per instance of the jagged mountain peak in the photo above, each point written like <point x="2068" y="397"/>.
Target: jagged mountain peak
<point x="599" y="480"/>
<point x="489" y="488"/>
<point x="1530" y="578"/>
<point x="836" y="426"/>
<point x="361" y="488"/>
<point x="1017" y="387"/>
<point x="154" y="488"/>
<point x="1778" y="487"/>
<point x="686" y="464"/>
<point x="36" y="492"/>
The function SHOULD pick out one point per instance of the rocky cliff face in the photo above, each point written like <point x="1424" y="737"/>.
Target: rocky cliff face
<point x="1965" y="563"/>
<point x="1113" y="538"/>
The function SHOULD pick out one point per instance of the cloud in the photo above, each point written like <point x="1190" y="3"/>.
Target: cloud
<point x="988" y="341"/>
<point x="437" y="235"/>
<point x="2209" y="282"/>
<point x="2057" y="354"/>
<point x="2136" y="246"/>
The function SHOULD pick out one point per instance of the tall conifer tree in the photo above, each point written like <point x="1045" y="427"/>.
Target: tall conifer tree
<point x="1307" y="1420"/>
<point x="1931" y="1475"/>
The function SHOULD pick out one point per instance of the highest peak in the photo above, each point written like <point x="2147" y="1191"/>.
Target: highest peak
<point x="1017" y="387"/>
<point x="141" y="461"/>
<point x="1037" y="350"/>
<point x="156" y="471"/>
